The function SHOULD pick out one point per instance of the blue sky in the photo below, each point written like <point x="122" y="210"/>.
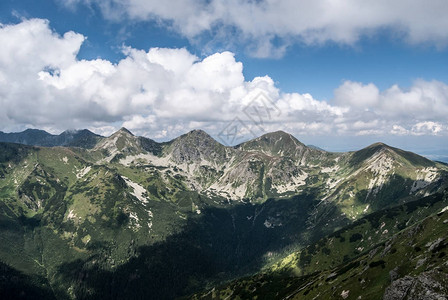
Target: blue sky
<point x="358" y="73"/>
<point x="316" y="69"/>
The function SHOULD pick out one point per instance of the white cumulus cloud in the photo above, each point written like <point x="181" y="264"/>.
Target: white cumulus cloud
<point x="287" y="21"/>
<point x="162" y="93"/>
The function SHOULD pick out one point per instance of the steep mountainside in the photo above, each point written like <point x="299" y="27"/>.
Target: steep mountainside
<point x="398" y="253"/>
<point x="130" y="217"/>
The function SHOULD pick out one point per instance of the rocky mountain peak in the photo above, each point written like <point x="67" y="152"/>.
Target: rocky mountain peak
<point x="121" y="141"/>
<point x="123" y="131"/>
<point x="33" y="130"/>
<point x="279" y="134"/>
<point x="195" y="146"/>
<point x="379" y="146"/>
<point x="384" y="151"/>
<point x="196" y="138"/>
<point x="197" y="134"/>
<point x="278" y="143"/>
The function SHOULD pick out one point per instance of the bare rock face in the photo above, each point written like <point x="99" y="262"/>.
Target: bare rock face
<point x="197" y="146"/>
<point x="435" y="245"/>
<point x="393" y="274"/>
<point x="431" y="285"/>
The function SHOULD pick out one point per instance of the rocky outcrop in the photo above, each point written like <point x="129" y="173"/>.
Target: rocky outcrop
<point x="198" y="147"/>
<point x="431" y="285"/>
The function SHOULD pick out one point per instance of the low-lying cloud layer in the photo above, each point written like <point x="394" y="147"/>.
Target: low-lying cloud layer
<point x="164" y="92"/>
<point x="260" y="23"/>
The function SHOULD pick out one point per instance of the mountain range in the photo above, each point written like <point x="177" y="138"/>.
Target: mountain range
<point x="69" y="138"/>
<point x="84" y="216"/>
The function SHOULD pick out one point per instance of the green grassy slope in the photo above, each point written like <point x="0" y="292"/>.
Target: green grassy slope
<point x="360" y="260"/>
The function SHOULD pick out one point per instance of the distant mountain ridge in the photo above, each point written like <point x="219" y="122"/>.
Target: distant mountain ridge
<point x="83" y="138"/>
